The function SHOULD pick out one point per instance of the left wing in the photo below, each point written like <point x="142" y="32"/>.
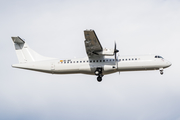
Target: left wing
<point x="92" y="44"/>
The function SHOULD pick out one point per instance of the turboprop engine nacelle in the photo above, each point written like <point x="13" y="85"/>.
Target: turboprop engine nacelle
<point x="106" y="52"/>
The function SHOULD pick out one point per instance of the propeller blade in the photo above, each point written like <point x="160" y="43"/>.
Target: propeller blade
<point x="114" y="47"/>
<point x="115" y="51"/>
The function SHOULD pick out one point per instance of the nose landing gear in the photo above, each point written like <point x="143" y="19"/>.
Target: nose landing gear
<point x="98" y="72"/>
<point x="161" y="71"/>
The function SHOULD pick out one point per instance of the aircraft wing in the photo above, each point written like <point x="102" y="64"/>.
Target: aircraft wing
<point x="92" y="43"/>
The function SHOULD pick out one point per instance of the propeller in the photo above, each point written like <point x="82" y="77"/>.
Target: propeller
<point x="115" y="55"/>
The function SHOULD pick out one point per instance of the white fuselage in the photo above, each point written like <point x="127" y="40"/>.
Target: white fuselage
<point x="88" y="65"/>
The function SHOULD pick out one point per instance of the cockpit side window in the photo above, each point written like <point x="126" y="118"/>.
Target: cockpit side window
<point x="159" y="57"/>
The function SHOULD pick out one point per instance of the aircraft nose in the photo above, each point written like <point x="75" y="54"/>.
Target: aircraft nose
<point x="169" y="64"/>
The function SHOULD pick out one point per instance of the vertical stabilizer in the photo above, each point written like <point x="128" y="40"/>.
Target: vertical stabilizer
<point x="25" y="53"/>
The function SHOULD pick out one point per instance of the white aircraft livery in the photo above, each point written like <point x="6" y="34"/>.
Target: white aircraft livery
<point x="98" y="62"/>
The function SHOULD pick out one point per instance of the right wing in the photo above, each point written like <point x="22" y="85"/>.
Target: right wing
<point x="92" y="43"/>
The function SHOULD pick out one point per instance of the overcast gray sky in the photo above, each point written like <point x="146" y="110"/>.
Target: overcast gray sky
<point x="55" y="29"/>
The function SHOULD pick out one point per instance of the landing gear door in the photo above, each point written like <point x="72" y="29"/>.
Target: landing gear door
<point x="52" y="67"/>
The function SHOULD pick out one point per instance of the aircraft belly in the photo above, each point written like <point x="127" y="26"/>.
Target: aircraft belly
<point x="41" y="67"/>
<point x="66" y="69"/>
<point x="135" y="66"/>
<point x="72" y="69"/>
<point x="86" y="69"/>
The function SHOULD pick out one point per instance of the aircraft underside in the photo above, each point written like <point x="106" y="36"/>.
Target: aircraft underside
<point x="95" y="70"/>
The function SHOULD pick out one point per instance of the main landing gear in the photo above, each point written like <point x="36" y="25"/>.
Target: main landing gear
<point x="98" y="72"/>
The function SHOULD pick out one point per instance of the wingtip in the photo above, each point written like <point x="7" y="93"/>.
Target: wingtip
<point x="89" y="30"/>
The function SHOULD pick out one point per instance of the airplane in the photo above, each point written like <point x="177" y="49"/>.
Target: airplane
<point x="98" y="62"/>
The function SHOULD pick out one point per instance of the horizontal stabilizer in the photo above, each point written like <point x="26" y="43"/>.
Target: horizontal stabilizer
<point x="17" y="40"/>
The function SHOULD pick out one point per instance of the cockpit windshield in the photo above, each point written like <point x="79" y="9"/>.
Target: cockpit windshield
<point x="158" y="57"/>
